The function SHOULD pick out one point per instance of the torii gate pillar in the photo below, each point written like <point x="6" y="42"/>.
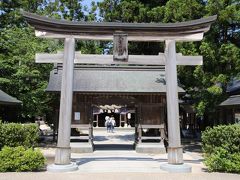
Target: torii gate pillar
<point x="175" y="151"/>
<point x="63" y="151"/>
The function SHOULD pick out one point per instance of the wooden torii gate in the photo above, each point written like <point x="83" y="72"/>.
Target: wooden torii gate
<point x="120" y="33"/>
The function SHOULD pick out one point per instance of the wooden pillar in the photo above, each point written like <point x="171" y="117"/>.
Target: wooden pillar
<point x="233" y="116"/>
<point x="175" y="153"/>
<point x="55" y="127"/>
<point x="63" y="151"/>
<point x="221" y="115"/>
<point x="97" y="120"/>
<point x="125" y="120"/>
<point x="139" y="133"/>
<point x="120" y="120"/>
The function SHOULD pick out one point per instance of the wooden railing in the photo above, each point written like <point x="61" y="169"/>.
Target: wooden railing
<point x="141" y="128"/>
<point x="83" y="127"/>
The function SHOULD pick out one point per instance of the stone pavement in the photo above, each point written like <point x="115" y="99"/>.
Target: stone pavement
<point x="115" y="153"/>
<point x="115" y="159"/>
<point x="119" y="136"/>
<point x="117" y="176"/>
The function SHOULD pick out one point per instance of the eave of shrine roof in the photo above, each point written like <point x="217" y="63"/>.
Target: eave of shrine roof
<point x="6" y="99"/>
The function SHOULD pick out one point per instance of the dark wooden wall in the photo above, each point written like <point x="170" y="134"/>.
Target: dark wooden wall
<point x="150" y="108"/>
<point x="152" y="114"/>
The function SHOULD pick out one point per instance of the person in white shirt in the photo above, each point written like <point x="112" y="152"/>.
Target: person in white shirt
<point x="113" y="123"/>
<point x="108" y="123"/>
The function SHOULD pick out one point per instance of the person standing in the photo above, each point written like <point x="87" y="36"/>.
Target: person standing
<point x="113" y="123"/>
<point x="108" y="123"/>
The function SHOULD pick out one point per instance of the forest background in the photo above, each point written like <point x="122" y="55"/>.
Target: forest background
<point x="205" y="86"/>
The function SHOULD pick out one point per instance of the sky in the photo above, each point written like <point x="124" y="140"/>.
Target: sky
<point x="88" y="2"/>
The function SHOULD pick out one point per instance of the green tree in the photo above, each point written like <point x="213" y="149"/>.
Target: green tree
<point x="62" y="9"/>
<point x="9" y="11"/>
<point x="20" y="76"/>
<point x="206" y="84"/>
<point x="220" y="49"/>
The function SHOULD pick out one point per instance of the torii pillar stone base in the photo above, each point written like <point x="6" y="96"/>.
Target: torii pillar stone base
<point x="179" y="168"/>
<point x="62" y="168"/>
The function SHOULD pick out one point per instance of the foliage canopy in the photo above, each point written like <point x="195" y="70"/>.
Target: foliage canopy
<point x="206" y="85"/>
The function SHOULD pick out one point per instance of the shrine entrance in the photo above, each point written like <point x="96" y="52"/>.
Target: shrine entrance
<point x="122" y="109"/>
<point x="122" y="136"/>
<point x="122" y="119"/>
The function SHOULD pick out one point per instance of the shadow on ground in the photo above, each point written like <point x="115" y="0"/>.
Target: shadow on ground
<point x="81" y="161"/>
<point x="113" y="147"/>
<point x="192" y="145"/>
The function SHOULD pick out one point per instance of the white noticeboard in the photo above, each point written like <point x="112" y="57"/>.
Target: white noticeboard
<point x="77" y="116"/>
<point x="237" y="118"/>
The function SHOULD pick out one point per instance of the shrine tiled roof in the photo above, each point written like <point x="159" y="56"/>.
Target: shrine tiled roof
<point x="113" y="80"/>
<point x="6" y="99"/>
<point x="231" y="101"/>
